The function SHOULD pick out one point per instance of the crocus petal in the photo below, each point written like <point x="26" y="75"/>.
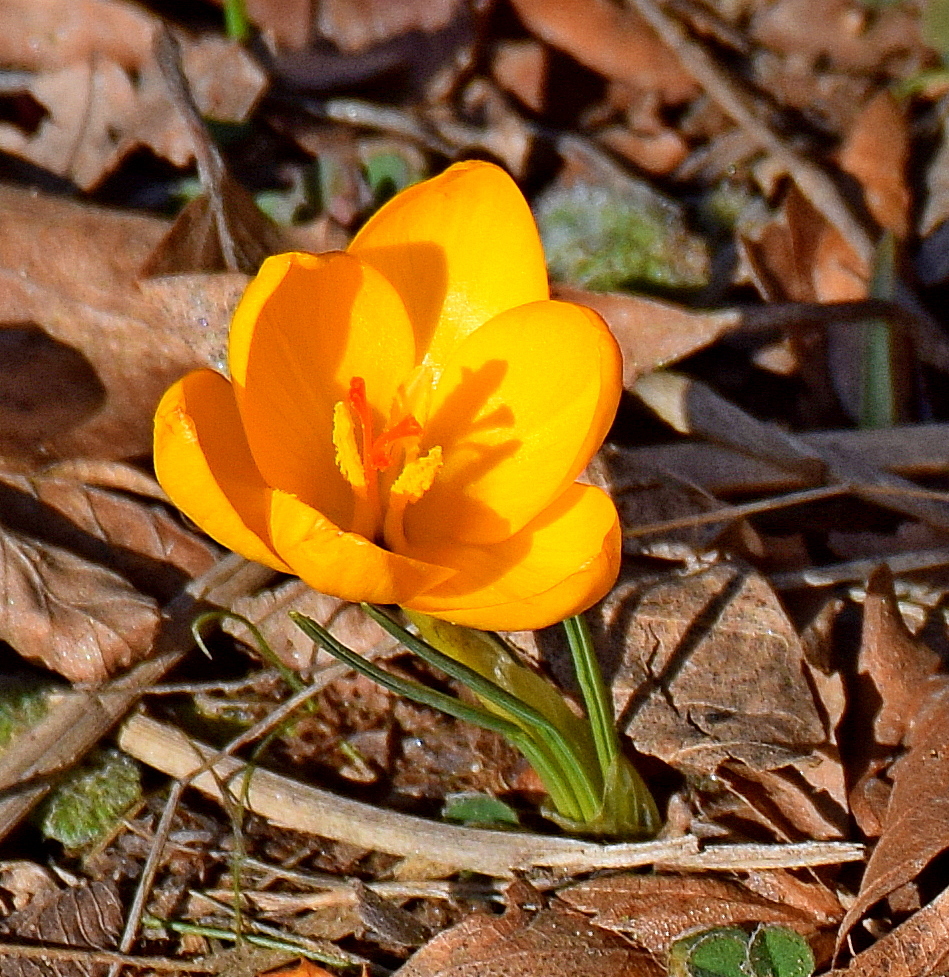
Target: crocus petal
<point x="204" y="464"/>
<point x="345" y="564"/>
<point x="522" y="405"/>
<point x="556" y="566"/>
<point x="459" y="249"/>
<point x="306" y="326"/>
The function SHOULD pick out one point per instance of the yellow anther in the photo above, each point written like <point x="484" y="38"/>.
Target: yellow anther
<point x="414" y="481"/>
<point x="348" y="460"/>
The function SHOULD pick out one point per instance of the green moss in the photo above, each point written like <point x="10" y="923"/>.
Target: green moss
<point x="22" y="705"/>
<point x="88" y="801"/>
<point x="600" y="238"/>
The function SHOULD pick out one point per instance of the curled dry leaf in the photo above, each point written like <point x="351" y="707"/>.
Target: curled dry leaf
<point x="521" y="944"/>
<point x="876" y="154"/>
<point x="916" y="948"/>
<point x="915" y="829"/>
<point x="652" y="911"/>
<point x="356" y="26"/>
<point x="897" y="672"/>
<point x="45" y="36"/>
<point x="103" y="96"/>
<point x="851" y="37"/>
<point x="81" y="916"/>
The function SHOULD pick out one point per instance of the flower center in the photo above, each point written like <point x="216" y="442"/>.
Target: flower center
<point x="385" y="470"/>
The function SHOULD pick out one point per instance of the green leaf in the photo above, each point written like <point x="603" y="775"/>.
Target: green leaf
<point x="720" y="953"/>
<point x="776" y="951"/>
<point x="479" y="809"/>
<point x="487" y="656"/>
<point x="89" y="800"/>
<point x="729" y="951"/>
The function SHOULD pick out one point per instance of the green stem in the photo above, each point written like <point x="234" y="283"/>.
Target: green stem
<point x="557" y="781"/>
<point x="236" y="24"/>
<point x="534" y="722"/>
<point x="596" y="697"/>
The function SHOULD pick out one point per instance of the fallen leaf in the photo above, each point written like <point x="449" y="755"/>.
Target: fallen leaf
<point x="68" y="278"/>
<point x="269" y="610"/>
<point x="45" y="36"/>
<point x="915" y="829"/>
<point x="611" y="40"/>
<point x="897" y="672"/>
<point x="851" y="37"/>
<point x="653" y="910"/>
<point x="916" y="948"/>
<point x="356" y="26"/>
<point x="287" y="24"/>
<point x="86" y="915"/>
<point x="85" y="571"/>
<point x="521" y="944"/>
<point x="652" y="334"/>
<point x="97" y="110"/>
<point x="74" y="617"/>
<point x="520" y="69"/>
<point x="708" y="667"/>
<point x="876" y="154"/>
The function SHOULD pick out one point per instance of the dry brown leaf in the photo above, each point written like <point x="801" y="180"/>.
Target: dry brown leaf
<point x="916" y="948"/>
<point x="101" y="90"/>
<point x="45" y="36"/>
<point x="69" y="271"/>
<point x="897" y="672"/>
<point x="653" y="910"/>
<point x="84" y="571"/>
<point x="850" y="36"/>
<point x="88" y="916"/>
<point x="707" y="668"/>
<point x="916" y="827"/>
<point x="269" y="610"/>
<point x="519" y="944"/>
<point x="876" y="153"/>
<point x="73" y="616"/>
<point x="142" y="541"/>
<point x="652" y="334"/>
<point x="287" y="24"/>
<point x="520" y="69"/>
<point x="612" y="40"/>
<point x="354" y="25"/>
<point x="782" y="255"/>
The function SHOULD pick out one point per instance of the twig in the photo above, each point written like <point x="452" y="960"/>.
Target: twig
<point x="912" y="451"/>
<point x="65" y="954"/>
<point x="304" y="808"/>
<point x="692" y="407"/>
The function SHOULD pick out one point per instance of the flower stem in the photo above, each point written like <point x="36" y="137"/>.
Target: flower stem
<point x="561" y="787"/>
<point x="596" y="697"/>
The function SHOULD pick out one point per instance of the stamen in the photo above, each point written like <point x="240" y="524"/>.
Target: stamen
<point x="413" y="482"/>
<point x="347" y="451"/>
<point x="360" y="404"/>
<point x="378" y="514"/>
<point x="381" y="455"/>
